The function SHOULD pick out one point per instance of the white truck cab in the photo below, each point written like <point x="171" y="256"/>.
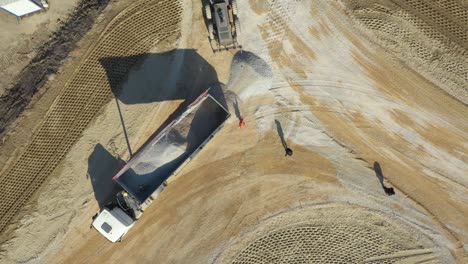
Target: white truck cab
<point x="113" y="223"/>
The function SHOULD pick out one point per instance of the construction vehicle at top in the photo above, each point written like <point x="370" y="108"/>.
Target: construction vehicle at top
<point x="223" y="24"/>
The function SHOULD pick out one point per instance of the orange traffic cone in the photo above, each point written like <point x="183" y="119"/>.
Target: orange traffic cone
<point x="242" y="122"/>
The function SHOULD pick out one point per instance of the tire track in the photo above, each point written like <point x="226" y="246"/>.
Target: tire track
<point x="430" y="36"/>
<point x="133" y="32"/>
<point x="316" y="233"/>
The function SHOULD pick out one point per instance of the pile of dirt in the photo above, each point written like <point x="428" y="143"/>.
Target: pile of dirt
<point x="48" y="60"/>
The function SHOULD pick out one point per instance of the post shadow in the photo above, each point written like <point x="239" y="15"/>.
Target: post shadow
<point x="378" y="172"/>
<point x="280" y="133"/>
<point x="288" y="151"/>
<point x="102" y="166"/>
<point x="123" y="127"/>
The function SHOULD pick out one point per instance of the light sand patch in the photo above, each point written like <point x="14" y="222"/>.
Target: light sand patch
<point x="259" y="6"/>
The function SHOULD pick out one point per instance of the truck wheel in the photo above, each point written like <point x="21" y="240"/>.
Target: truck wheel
<point x="208" y="11"/>
<point x="237" y="26"/>
<point x="234" y="7"/>
<point x="210" y="31"/>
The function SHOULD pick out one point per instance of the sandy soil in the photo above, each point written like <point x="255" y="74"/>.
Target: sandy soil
<point x="308" y="71"/>
<point x="21" y="40"/>
<point x="430" y="37"/>
<point x="37" y="56"/>
<point x="19" y="134"/>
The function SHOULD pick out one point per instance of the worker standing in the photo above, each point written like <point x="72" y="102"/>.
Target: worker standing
<point x="242" y="122"/>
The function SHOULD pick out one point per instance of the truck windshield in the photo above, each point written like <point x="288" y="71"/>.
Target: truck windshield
<point x="106" y="227"/>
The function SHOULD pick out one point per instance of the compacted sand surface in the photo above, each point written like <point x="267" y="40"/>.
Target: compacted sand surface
<point x="379" y="139"/>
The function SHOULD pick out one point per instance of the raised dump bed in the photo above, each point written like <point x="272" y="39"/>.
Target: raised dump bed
<point x="171" y="148"/>
<point x="143" y="177"/>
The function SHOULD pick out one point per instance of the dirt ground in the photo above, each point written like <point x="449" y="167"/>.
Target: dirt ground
<point x="361" y="113"/>
<point x="12" y="103"/>
<point x="21" y="39"/>
<point x="36" y="51"/>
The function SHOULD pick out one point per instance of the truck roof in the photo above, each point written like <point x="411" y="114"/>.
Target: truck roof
<point x="171" y="148"/>
<point x="223" y="24"/>
<point x="113" y="223"/>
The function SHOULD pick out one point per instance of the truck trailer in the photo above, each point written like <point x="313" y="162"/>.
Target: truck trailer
<point x="145" y="175"/>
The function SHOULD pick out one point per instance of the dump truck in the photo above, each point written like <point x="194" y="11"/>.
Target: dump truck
<point x="145" y="175"/>
<point x="223" y="24"/>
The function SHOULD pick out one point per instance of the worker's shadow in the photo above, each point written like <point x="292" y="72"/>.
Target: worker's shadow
<point x="102" y="166"/>
<point x="279" y="129"/>
<point x="378" y="172"/>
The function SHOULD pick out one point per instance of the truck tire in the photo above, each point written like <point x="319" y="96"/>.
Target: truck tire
<point x="208" y="11"/>
<point x="210" y="31"/>
<point x="234" y="7"/>
<point x="237" y="26"/>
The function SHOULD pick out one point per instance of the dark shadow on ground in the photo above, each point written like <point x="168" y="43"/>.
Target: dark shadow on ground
<point x="180" y="74"/>
<point x="281" y="134"/>
<point x="287" y="150"/>
<point x="378" y="172"/>
<point x="102" y="166"/>
<point x="176" y="74"/>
